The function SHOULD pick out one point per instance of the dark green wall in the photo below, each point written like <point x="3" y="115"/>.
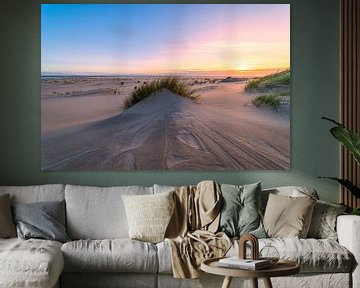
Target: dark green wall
<point x="315" y="73"/>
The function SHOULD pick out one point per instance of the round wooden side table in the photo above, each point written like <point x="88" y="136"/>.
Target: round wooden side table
<point x="281" y="268"/>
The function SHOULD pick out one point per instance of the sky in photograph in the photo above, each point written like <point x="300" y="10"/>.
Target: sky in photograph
<point x="219" y="39"/>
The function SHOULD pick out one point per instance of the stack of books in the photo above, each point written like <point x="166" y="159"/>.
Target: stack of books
<point x="248" y="264"/>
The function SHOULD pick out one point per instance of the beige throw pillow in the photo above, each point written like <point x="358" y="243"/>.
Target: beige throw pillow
<point x="7" y="226"/>
<point x="288" y="217"/>
<point x="149" y="215"/>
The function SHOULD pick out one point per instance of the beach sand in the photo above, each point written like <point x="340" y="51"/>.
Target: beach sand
<point x="87" y="130"/>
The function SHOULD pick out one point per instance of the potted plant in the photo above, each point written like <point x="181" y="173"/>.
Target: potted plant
<point x="351" y="141"/>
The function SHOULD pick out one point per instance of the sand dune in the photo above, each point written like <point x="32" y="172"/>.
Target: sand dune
<point x="167" y="131"/>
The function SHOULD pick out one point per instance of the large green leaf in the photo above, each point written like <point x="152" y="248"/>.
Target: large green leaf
<point x="348" y="185"/>
<point x="349" y="139"/>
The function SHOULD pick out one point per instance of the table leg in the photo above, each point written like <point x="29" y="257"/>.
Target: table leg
<point x="227" y="282"/>
<point x="267" y="283"/>
<point x="254" y="282"/>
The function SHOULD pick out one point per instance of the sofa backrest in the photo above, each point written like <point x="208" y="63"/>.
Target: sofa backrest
<point x="98" y="213"/>
<point x="36" y="193"/>
<point x="293" y="191"/>
<point x="162" y="188"/>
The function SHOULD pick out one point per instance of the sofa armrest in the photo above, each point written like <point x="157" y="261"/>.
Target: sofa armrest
<point x="348" y="230"/>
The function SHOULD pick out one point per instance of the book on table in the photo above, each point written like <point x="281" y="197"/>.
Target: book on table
<point x="236" y="262"/>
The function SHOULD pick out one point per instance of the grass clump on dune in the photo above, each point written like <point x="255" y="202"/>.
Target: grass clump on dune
<point x="274" y="87"/>
<point x="273" y="81"/>
<point x="272" y="101"/>
<point x="174" y="84"/>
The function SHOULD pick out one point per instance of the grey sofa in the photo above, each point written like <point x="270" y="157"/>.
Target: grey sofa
<point x="101" y="254"/>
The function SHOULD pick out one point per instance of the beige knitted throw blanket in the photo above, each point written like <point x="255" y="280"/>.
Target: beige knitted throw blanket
<point x="191" y="231"/>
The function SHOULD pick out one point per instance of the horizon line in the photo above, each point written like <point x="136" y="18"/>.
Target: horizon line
<point x="186" y="73"/>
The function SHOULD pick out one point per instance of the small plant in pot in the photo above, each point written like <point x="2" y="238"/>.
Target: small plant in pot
<point x="351" y="141"/>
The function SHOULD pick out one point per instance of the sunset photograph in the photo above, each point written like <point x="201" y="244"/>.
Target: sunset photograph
<point x="165" y="87"/>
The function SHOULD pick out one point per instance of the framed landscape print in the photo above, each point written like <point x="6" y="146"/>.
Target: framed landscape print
<point x="165" y="86"/>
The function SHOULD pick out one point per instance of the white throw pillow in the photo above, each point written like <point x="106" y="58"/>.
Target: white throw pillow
<point x="149" y="215"/>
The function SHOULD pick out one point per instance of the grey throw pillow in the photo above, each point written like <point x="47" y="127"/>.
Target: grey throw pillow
<point x="323" y="222"/>
<point x="7" y="227"/>
<point x="240" y="213"/>
<point x="44" y="220"/>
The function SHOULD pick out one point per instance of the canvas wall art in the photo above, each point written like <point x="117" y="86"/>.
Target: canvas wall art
<point x="165" y="87"/>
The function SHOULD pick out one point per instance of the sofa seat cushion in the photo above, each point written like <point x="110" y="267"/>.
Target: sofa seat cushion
<point x="313" y="255"/>
<point x="30" y="263"/>
<point x="115" y="255"/>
